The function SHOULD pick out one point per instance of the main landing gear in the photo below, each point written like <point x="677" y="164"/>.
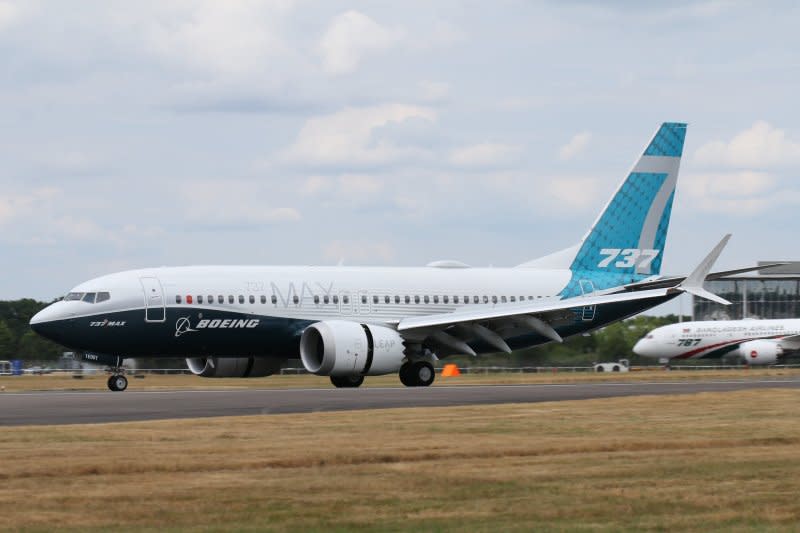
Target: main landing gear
<point x="347" y="382"/>
<point x="417" y="374"/>
<point x="117" y="381"/>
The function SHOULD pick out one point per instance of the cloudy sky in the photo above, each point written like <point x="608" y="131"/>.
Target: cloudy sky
<point x="169" y="132"/>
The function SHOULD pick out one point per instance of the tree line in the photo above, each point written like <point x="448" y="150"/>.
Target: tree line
<point x="18" y="341"/>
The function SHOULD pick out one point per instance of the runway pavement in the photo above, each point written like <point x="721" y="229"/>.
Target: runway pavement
<point x="36" y="408"/>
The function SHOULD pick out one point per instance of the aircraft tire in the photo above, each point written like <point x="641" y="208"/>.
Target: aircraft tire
<point x="423" y="374"/>
<point x="347" y="382"/>
<point x="405" y="375"/>
<point x="118" y="383"/>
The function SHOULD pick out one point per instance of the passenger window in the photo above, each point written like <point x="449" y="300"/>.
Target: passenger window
<point x="252" y="299"/>
<point x="210" y="299"/>
<point x="386" y="299"/>
<point x="427" y="300"/>
<point x="230" y="298"/>
<point x="375" y="299"/>
<point x="446" y="299"/>
<point x="104" y="296"/>
<point x="416" y="299"/>
<point x="494" y="299"/>
<point x="177" y="298"/>
<point x="336" y="299"/>
<point x="408" y="300"/>
<point x="513" y="298"/>
<point x="476" y="300"/>
<point x="188" y="298"/>
<point x="436" y="299"/>
<point x="199" y="298"/>
<point x="295" y="299"/>
<point x="274" y="300"/>
<point x="364" y="299"/>
<point x="521" y="298"/>
<point x="316" y="298"/>
<point x="503" y="299"/>
<point x="220" y="299"/>
<point x="263" y="299"/>
<point x="326" y="299"/>
<point x="396" y="299"/>
<point x="345" y="299"/>
<point x="241" y="299"/>
<point x="455" y="299"/>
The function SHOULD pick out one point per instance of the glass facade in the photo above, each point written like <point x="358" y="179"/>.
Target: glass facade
<point x="755" y="297"/>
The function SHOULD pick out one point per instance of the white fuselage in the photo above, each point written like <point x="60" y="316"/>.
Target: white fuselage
<point x="713" y="338"/>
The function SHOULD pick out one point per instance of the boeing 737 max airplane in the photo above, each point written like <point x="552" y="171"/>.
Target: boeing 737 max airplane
<point x="756" y="342"/>
<point x="350" y="322"/>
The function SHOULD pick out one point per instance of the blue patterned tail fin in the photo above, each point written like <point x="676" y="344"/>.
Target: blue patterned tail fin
<point x="627" y="239"/>
<point x="626" y="242"/>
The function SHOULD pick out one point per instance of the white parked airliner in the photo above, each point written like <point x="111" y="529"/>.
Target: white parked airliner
<point x="349" y="322"/>
<point x="756" y="342"/>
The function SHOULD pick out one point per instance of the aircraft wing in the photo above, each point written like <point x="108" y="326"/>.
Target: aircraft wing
<point x="673" y="280"/>
<point x="791" y="342"/>
<point x="494" y="324"/>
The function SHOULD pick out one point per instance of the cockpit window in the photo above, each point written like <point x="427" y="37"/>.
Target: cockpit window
<point x="88" y="297"/>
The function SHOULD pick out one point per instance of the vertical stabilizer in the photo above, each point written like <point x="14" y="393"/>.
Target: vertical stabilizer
<point x="626" y="242"/>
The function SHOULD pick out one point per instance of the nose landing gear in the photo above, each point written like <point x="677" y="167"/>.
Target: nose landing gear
<point x="117" y="381"/>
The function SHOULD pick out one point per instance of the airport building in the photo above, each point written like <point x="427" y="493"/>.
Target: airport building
<point x="770" y="293"/>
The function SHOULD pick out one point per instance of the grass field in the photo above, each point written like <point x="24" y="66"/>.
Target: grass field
<point x="175" y="382"/>
<point x="705" y="462"/>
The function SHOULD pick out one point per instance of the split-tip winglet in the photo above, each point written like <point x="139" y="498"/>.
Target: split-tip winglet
<point x="693" y="284"/>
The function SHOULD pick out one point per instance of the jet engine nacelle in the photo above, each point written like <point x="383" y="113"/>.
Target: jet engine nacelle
<point x="233" y="367"/>
<point x="342" y="348"/>
<point x="760" y="352"/>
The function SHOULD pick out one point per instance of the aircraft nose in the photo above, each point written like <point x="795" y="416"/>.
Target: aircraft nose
<point x="43" y="322"/>
<point x="642" y="347"/>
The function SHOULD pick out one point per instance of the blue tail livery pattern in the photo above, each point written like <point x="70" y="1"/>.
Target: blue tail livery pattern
<point x="627" y="241"/>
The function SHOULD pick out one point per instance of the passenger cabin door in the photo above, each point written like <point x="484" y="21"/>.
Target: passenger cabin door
<point x="154" y="305"/>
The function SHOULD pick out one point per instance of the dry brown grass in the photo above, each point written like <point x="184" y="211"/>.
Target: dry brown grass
<point x="176" y="382"/>
<point x="705" y="462"/>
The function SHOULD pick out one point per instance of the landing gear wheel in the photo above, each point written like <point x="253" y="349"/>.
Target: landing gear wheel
<point x="118" y="383"/>
<point x="347" y="382"/>
<point x="423" y="373"/>
<point x="417" y="374"/>
<point x="405" y="375"/>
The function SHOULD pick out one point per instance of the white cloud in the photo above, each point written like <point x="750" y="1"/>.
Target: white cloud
<point x="231" y="37"/>
<point x="346" y="137"/>
<point x="574" y="193"/>
<point x="736" y="193"/>
<point x="575" y="146"/>
<point x="359" y="184"/>
<point x="232" y="202"/>
<point x="760" y="146"/>
<point x="358" y="251"/>
<point x="13" y="206"/>
<point x="736" y="184"/>
<point x="350" y="37"/>
<point x="483" y="155"/>
<point x="9" y="14"/>
<point x="434" y="91"/>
